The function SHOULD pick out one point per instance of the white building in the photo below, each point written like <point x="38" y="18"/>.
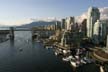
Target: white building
<point x="100" y="31"/>
<point x="69" y="23"/>
<point x="93" y="16"/>
<point x="96" y="32"/>
<point x="96" y="28"/>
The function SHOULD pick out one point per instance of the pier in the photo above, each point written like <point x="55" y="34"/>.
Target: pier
<point x="61" y="47"/>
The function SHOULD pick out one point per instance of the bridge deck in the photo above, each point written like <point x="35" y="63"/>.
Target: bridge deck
<point x="4" y="31"/>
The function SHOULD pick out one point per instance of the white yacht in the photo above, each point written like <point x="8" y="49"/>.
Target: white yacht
<point x="73" y="63"/>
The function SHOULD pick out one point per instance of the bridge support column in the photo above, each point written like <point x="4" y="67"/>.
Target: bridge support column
<point x="11" y="33"/>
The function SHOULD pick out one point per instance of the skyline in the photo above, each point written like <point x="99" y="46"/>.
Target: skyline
<point x="21" y="11"/>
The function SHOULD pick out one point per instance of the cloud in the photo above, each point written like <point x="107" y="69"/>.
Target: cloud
<point x="48" y="19"/>
<point x="103" y="15"/>
<point x="15" y="23"/>
<point x="26" y="21"/>
<point x="81" y="17"/>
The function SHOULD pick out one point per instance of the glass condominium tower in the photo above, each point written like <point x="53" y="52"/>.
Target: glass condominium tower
<point x="92" y="17"/>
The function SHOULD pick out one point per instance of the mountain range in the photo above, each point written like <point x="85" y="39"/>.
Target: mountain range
<point x="39" y="23"/>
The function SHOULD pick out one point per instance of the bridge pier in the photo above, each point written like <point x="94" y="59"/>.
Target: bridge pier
<point x="11" y="33"/>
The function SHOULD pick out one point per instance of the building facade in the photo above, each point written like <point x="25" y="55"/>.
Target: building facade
<point x="96" y="32"/>
<point x="63" y="24"/>
<point x="103" y="32"/>
<point x="70" y="21"/>
<point x="84" y="27"/>
<point x="93" y="16"/>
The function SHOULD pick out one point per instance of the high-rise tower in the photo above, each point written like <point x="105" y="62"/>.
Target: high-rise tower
<point x="93" y="16"/>
<point x="63" y="24"/>
<point x="69" y="23"/>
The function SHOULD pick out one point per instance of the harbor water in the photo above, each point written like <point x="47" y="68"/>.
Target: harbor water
<point x="24" y="55"/>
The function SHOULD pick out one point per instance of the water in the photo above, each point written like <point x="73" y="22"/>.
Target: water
<point x="25" y="55"/>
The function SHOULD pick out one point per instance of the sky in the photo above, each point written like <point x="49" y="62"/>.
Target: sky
<point x="16" y="12"/>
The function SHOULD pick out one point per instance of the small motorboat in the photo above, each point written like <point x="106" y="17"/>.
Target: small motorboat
<point x="87" y="60"/>
<point x="101" y="69"/>
<point x="83" y="62"/>
<point x="73" y="63"/>
<point x="68" y="58"/>
<point x="56" y="53"/>
<point x="48" y="47"/>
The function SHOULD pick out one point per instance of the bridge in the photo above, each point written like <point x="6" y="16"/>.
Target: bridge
<point x="22" y="29"/>
<point x="43" y="33"/>
<point x="4" y="31"/>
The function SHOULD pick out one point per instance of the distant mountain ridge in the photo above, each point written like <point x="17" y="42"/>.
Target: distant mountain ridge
<point x="39" y="23"/>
